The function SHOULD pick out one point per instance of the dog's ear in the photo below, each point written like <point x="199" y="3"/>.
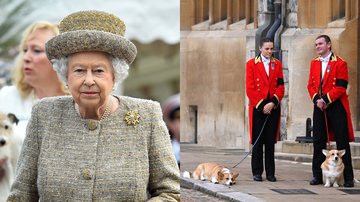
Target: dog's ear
<point x="13" y="118"/>
<point x="341" y="152"/>
<point x="325" y="152"/>
<point x="220" y="175"/>
<point x="235" y="176"/>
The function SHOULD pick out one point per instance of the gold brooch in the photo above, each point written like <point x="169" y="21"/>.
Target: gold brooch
<point x="132" y="118"/>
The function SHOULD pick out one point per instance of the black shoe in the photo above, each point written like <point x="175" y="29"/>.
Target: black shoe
<point x="271" y="178"/>
<point x="315" y="181"/>
<point x="257" y="178"/>
<point x="349" y="183"/>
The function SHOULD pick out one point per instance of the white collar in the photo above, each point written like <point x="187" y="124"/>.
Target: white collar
<point x="325" y="59"/>
<point x="264" y="59"/>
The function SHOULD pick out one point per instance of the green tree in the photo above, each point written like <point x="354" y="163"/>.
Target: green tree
<point x="12" y="12"/>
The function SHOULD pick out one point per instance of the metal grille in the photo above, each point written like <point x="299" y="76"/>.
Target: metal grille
<point x="292" y="191"/>
<point x="351" y="191"/>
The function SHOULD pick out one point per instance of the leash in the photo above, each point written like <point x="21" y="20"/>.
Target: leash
<point x="257" y="139"/>
<point x="327" y="130"/>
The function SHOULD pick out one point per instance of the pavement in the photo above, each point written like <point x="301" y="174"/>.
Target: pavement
<point x="292" y="172"/>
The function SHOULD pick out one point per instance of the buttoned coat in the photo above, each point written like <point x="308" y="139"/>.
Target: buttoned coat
<point x="333" y="86"/>
<point x="260" y="86"/>
<point x="68" y="158"/>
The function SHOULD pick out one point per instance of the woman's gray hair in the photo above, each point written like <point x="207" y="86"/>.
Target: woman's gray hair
<point x="120" y="67"/>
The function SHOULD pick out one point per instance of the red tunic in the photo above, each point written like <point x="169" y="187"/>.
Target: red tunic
<point x="333" y="86"/>
<point x="259" y="86"/>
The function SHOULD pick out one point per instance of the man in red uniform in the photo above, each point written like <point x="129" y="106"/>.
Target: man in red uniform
<point x="265" y="89"/>
<point x="327" y="85"/>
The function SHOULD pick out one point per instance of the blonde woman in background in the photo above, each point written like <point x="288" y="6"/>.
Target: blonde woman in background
<point x="34" y="79"/>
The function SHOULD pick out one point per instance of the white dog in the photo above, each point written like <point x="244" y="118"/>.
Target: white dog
<point x="6" y="148"/>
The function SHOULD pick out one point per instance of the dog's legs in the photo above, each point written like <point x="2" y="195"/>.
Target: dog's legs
<point x="327" y="184"/>
<point x="337" y="181"/>
<point x="7" y="181"/>
<point x="195" y="176"/>
<point x="214" y="180"/>
<point x="11" y="172"/>
<point x="202" y="177"/>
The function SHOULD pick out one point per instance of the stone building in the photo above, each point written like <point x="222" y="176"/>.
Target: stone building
<point x="219" y="36"/>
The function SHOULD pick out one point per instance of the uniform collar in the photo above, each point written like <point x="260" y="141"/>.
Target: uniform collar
<point x="264" y="59"/>
<point x="333" y="57"/>
<point x="326" y="59"/>
<point x="258" y="59"/>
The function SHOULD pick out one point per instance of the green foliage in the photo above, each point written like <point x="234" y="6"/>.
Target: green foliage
<point x="12" y="12"/>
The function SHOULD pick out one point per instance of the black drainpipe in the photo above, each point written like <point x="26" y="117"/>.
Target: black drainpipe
<point x="276" y="28"/>
<point x="263" y="29"/>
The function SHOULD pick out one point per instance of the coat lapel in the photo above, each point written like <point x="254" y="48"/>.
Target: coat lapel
<point x="328" y="69"/>
<point x="327" y="72"/>
<point x="272" y="67"/>
<point x="261" y="68"/>
<point x="263" y="73"/>
<point x="316" y="72"/>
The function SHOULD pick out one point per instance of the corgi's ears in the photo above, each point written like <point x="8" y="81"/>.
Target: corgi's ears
<point x="235" y="176"/>
<point x="341" y="152"/>
<point x="220" y="174"/>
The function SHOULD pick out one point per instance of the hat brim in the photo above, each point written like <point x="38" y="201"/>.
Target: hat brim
<point x="71" y="42"/>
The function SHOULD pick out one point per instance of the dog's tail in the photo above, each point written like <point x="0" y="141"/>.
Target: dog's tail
<point x="356" y="181"/>
<point x="187" y="174"/>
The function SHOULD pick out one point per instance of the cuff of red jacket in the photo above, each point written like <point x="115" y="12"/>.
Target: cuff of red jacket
<point x="275" y="100"/>
<point x="315" y="98"/>
<point x="261" y="104"/>
<point x="326" y="98"/>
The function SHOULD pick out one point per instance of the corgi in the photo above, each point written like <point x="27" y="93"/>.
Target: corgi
<point x="214" y="173"/>
<point x="333" y="168"/>
<point x="6" y="147"/>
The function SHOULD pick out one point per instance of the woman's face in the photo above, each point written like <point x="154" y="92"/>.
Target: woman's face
<point x="267" y="49"/>
<point x="37" y="68"/>
<point x="90" y="78"/>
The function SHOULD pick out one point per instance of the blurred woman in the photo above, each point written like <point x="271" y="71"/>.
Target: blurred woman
<point x="171" y="110"/>
<point x="34" y="78"/>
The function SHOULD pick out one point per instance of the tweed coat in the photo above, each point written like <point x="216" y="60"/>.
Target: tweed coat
<point x="68" y="158"/>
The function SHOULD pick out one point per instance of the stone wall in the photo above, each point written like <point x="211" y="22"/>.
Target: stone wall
<point x="213" y="100"/>
<point x="213" y="75"/>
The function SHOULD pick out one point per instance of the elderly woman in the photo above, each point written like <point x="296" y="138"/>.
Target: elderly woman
<point x="92" y="145"/>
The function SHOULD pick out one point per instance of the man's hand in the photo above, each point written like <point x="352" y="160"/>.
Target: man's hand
<point x="268" y="107"/>
<point x="320" y="103"/>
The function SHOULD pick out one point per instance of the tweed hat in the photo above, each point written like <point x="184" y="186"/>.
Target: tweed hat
<point x="91" y="31"/>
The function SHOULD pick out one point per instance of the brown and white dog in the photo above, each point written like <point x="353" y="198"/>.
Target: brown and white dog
<point x="6" y="148"/>
<point x="214" y="173"/>
<point x="333" y="168"/>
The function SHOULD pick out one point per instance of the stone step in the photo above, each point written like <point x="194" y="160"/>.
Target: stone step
<point x="307" y="158"/>
<point x="293" y="147"/>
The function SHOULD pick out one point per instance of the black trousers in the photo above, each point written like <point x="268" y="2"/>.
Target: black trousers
<point x="337" y="122"/>
<point x="267" y="138"/>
